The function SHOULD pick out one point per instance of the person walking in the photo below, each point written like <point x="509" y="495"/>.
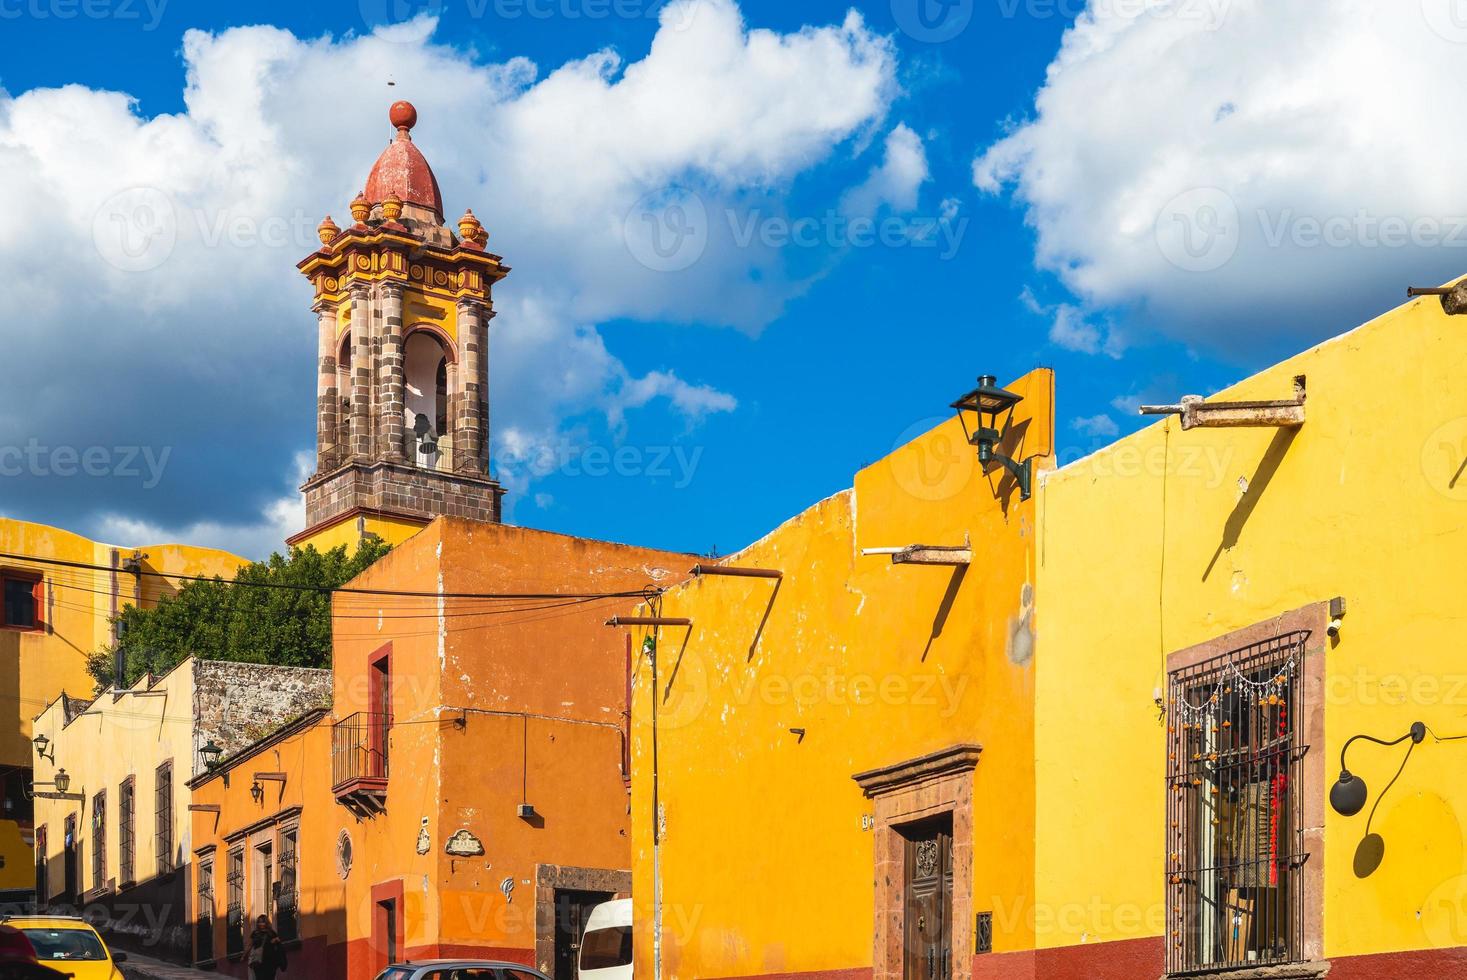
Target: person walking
<point x="264" y="952"/>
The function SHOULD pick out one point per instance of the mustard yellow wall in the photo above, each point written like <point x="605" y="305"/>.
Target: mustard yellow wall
<point x="1169" y="538"/>
<point x="766" y="865"/>
<point x="118" y="737"/>
<point x="36" y="667"/>
<point x="347" y="532"/>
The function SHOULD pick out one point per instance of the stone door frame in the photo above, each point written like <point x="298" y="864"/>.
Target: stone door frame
<point x="908" y="792"/>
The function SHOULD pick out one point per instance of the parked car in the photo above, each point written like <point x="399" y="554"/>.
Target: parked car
<point x="459" y="970"/>
<point x="70" y="945"/>
<point x="606" y="947"/>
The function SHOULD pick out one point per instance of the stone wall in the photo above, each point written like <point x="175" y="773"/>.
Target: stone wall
<point x="236" y="704"/>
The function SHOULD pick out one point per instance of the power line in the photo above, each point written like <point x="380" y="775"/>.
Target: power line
<point x="340" y="590"/>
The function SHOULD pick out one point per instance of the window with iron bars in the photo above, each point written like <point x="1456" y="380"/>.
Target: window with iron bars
<point x="234" y="921"/>
<point x="1234" y="829"/>
<point x="287" y="922"/>
<point x="204" y="919"/>
<point x="125" y="832"/>
<point x="163" y="804"/>
<point x="43" y="877"/>
<point x="99" y="840"/>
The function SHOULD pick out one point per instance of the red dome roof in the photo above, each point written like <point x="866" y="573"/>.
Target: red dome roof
<point x="402" y="169"/>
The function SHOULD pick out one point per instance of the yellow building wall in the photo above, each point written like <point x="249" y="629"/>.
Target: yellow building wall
<point x="349" y="532"/>
<point x="36" y="667"/>
<point x="766" y="865"/>
<point x="115" y="738"/>
<point x="1170" y="538"/>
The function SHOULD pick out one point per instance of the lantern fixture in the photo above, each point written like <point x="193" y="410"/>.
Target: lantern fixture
<point x="211" y="753"/>
<point x="42" y="743"/>
<point x="62" y="781"/>
<point x="257" y="792"/>
<point x="992" y="410"/>
<point x="1349" y="793"/>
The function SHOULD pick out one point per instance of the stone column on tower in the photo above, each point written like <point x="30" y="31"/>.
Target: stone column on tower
<point x="469" y="440"/>
<point x="328" y="398"/>
<point x="361" y="372"/>
<point x="390" y="374"/>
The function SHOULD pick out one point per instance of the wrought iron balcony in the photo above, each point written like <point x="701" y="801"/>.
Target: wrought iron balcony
<point x="359" y="746"/>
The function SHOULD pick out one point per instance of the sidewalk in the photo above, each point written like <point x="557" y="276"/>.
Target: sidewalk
<point x="140" y="967"/>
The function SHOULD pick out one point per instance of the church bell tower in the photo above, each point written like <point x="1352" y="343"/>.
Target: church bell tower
<point x="402" y="401"/>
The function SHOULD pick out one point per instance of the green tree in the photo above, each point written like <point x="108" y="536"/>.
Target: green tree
<point x="235" y="620"/>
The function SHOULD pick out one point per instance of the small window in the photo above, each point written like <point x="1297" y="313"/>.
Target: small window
<point x="605" y="949"/>
<point x="125" y="832"/>
<point x="163" y="817"/>
<point x="234" y="913"/>
<point x="22" y="601"/>
<point x="204" y="922"/>
<point x="99" y="840"/>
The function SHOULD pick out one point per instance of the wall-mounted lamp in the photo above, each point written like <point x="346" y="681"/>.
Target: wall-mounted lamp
<point x="210" y="754"/>
<point x="987" y="403"/>
<point x="61" y="782"/>
<point x="42" y="743"/>
<point x="257" y="792"/>
<point x="1349" y="793"/>
<point x="526" y="811"/>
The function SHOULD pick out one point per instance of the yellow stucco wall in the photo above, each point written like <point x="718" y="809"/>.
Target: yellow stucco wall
<point x="1171" y="538"/>
<point x="767" y="867"/>
<point x="348" y="532"/>
<point x="115" y="738"/>
<point x="36" y="667"/>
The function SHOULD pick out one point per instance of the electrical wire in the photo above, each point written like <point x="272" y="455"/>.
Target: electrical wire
<point x="322" y="589"/>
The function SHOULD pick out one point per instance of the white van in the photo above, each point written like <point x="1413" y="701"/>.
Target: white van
<point x="606" y="947"/>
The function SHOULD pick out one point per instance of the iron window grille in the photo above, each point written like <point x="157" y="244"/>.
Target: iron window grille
<point x="983" y="933"/>
<point x="234" y="916"/>
<point x="204" y="921"/>
<point x="1234" y="829"/>
<point x="43" y="877"/>
<point x="99" y="840"/>
<point x="163" y="808"/>
<point x="125" y="832"/>
<point x="287" y="900"/>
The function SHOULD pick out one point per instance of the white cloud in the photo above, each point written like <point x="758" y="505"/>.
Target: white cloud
<point x="179" y="299"/>
<point x="1096" y="426"/>
<point x="255" y="539"/>
<point x="894" y="182"/>
<point x="1246" y="170"/>
<point x="1071" y="329"/>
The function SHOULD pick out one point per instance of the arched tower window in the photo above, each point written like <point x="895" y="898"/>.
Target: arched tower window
<point x="427" y="421"/>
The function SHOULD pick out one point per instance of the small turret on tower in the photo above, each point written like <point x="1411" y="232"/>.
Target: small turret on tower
<point x="403" y="307"/>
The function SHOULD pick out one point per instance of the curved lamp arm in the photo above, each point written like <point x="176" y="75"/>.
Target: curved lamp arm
<point x="1349" y="792"/>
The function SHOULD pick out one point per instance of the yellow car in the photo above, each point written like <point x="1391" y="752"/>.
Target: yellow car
<point x="69" y="945"/>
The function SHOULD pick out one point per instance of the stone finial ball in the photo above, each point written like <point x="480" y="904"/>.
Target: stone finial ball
<point x="403" y="115"/>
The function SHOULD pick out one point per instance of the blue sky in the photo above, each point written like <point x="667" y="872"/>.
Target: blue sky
<point x="1052" y="180"/>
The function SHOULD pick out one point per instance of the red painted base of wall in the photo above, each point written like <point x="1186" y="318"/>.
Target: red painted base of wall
<point x="1144" y="959"/>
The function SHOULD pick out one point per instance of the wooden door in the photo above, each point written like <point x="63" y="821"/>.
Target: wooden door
<point x="929" y="903"/>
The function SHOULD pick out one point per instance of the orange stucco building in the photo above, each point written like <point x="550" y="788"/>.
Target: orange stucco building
<point x="468" y="795"/>
<point x="479" y="746"/>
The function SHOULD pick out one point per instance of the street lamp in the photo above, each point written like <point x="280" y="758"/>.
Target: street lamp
<point x="62" y="781"/>
<point x="987" y="403"/>
<point x="1349" y="793"/>
<point x="257" y="792"/>
<point x="211" y="754"/>
<point x="41" y="743"/>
